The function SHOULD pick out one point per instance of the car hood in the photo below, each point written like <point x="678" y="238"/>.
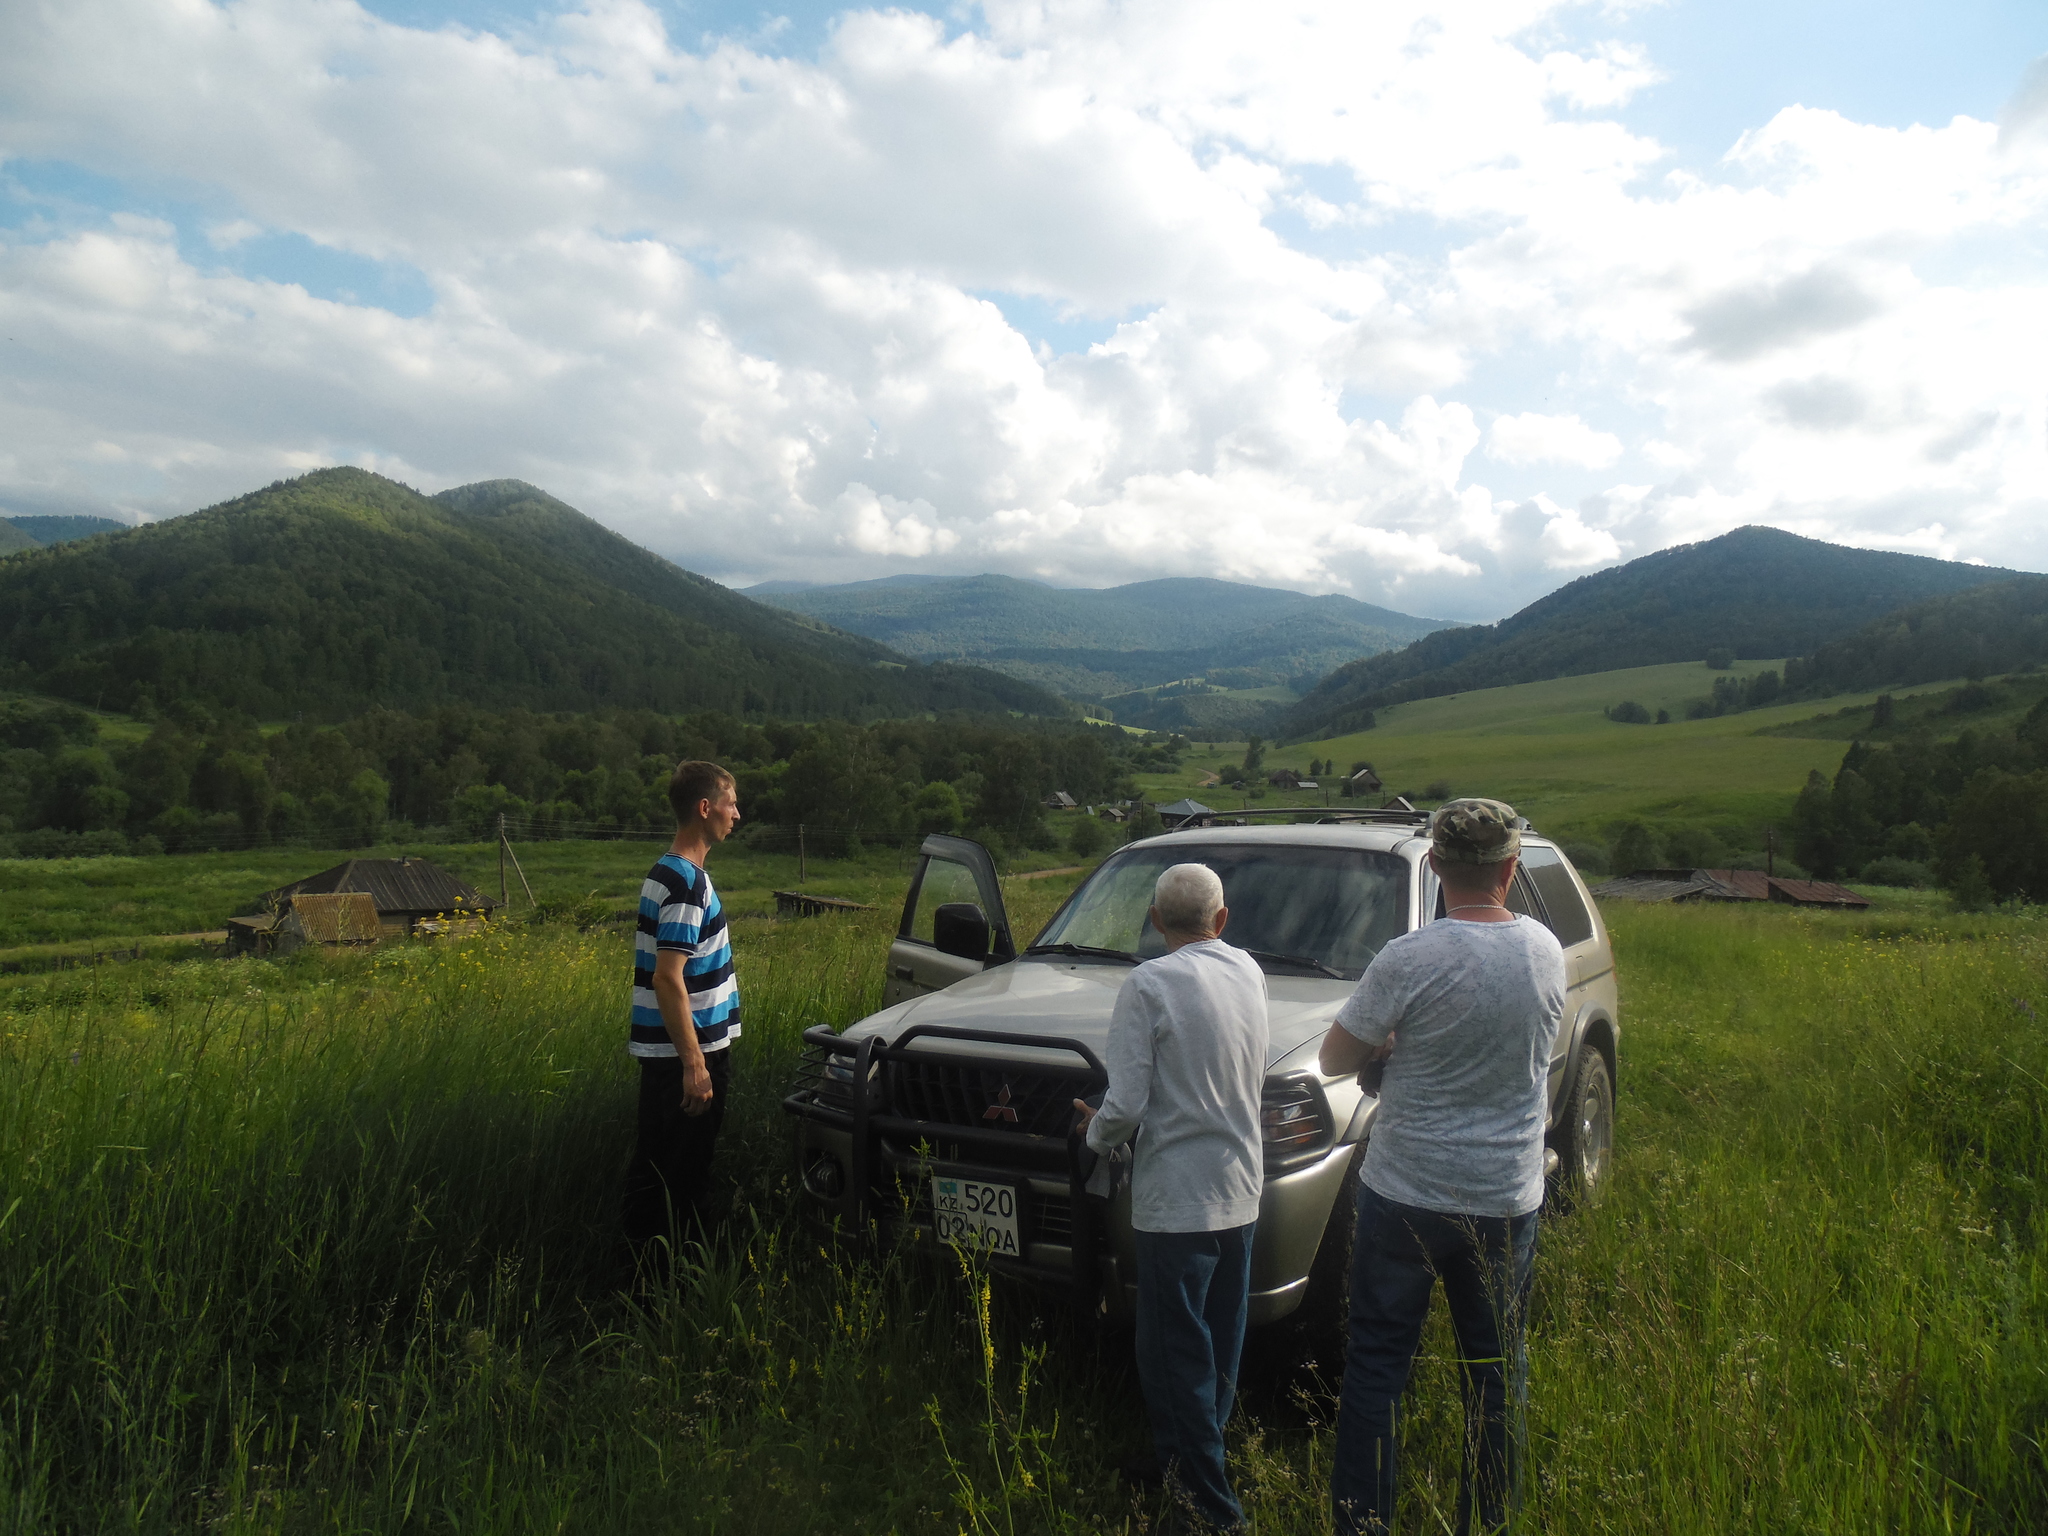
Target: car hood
<point x="1073" y="999"/>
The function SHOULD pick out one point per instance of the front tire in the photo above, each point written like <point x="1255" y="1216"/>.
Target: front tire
<point x="1585" y="1134"/>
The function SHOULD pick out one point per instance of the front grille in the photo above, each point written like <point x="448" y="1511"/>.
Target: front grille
<point x="1052" y="1219"/>
<point x="989" y="1098"/>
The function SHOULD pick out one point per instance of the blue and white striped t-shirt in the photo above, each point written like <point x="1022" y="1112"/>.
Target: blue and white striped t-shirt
<point x="679" y="910"/>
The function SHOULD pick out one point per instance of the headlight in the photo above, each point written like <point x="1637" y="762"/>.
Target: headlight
<point x="1292" y="1120"/>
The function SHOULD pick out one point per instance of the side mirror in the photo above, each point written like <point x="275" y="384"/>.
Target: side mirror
<point x="960" y="928"/>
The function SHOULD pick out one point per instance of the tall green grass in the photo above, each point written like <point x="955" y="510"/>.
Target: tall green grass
<point x="329" y="1245"/>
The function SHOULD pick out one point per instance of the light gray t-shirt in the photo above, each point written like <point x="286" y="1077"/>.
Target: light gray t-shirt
<point x="1474" y="1010"/>
<point x="1187" y="1057"/>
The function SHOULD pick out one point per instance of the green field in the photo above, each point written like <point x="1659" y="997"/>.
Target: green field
<point x="1547" y="749"/>
<point x="71" y="905"/>
<point x="327" y="1245"/>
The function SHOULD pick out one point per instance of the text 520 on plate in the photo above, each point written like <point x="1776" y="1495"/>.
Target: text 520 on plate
<point x="977" y="1214"/>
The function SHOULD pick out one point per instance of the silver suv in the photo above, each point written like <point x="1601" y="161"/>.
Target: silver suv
<point x="951" y="1109"/>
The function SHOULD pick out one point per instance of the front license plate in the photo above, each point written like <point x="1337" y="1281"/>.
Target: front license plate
<point x="975" y="1214"/>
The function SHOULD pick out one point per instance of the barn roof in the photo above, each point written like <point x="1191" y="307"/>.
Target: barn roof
<point x="415" y="887"/>
<point x="1727" y="885"/>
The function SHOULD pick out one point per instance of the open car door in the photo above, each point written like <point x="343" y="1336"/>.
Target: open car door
<point x="954" y="925"/>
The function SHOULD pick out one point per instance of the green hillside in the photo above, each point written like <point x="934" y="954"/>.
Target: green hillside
<point x="1095" y="643"/>
<point x="1548" y="749"/>
<point x="1992" y="628"/>
<point x="341" y="591"/>
<point x="62" y="530"/>
<point x="14" y="537"/>
<point x="1760" y="592"/>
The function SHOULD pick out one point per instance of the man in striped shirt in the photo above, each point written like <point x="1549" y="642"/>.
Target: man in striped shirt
<point x="686" y="1014"/>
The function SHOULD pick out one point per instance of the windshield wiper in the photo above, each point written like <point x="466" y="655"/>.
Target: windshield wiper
<point x="1302" y="960"/>
<point x="1082" y="949"/>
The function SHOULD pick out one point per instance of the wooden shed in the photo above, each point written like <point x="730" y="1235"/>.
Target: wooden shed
<point x="1655" y="885"/>
<point x="343" y="920"/>
<point x="411" y="896"/>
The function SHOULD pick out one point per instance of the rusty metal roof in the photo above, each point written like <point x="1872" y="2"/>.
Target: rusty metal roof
<point x="1739" y="884"/>
<point x="1727" y="885"/>
<point x="1815" y="893"/>
<point x="1651" y="885"/>
<point x="406" y="887"/>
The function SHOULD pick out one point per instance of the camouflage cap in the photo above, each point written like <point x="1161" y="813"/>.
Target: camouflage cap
<point x="1475" y="832"/>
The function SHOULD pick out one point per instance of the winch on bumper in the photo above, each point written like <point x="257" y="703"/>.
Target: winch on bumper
<point x="878" y="1120"/>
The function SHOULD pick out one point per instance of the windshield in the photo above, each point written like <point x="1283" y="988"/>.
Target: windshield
<point x="1332" y="906"/>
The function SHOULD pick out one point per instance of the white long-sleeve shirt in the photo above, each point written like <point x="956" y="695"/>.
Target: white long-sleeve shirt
<point x="1187" y="1055"/>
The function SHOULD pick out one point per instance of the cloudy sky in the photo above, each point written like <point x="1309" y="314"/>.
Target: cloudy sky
<point x="1439" y="303"/>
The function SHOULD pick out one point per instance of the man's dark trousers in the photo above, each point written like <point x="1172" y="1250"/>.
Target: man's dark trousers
<point x="1485" y="1263"/>
<point x="1193" y="1289"/>
<point x="668" y="1183"/>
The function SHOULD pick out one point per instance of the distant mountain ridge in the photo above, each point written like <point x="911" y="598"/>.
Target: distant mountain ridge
<point x="341" y="591"/>
<point x="1761" y="592"/>
<point x="44" y="530"/>
<point x="1092" y="643"/>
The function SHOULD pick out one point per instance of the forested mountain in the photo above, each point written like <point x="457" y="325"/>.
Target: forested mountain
<point x="1090" y="643"/>
<point x="55" y="530"/>
<point x="1997" y="627"/>
<point x="340" y="591"/>
<point x="1760" y="592"/>
<point x="13" y="538"/>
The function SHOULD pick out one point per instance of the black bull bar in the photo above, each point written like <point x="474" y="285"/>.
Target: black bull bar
<point x="869" y="1114"/>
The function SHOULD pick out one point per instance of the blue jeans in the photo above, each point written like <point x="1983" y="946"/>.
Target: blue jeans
<point x="1192" y="1292"/>
<point x="1485" y="1263"/>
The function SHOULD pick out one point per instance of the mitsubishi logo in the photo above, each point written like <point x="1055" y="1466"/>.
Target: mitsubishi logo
<point x="999" y="1108"/>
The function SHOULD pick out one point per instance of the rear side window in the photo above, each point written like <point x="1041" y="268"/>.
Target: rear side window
<point x="1569" y="919"/>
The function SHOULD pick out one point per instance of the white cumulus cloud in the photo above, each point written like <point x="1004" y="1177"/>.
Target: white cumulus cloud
<point x="753" y="308"/>
<point x="1533" y="438"/>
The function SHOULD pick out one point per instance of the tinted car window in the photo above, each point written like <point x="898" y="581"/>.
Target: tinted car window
<point x="1569" y="919"/>
<point x="1337" y="906"/>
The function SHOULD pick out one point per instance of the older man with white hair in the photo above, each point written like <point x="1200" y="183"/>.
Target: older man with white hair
<point x="1187" y="1055"/>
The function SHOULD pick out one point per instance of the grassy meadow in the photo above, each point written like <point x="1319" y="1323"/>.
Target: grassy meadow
<point x="327" y="1245"/>
<point x="68" y="906"/>
<point x="1548" y="749"/>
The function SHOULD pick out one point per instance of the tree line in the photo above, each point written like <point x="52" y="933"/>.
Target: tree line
<point x="1971" y="813"/>
<point x="203" y="779"/>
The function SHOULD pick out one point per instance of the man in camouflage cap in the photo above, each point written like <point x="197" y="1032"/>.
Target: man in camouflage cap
<point x="1475" y="832"/>
<point x="1453" y="1175"/>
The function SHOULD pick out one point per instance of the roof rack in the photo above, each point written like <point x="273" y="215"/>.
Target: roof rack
<point x="1384" y="816"/>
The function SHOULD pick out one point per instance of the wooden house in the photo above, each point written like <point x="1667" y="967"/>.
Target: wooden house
<point x="408" y="896"/>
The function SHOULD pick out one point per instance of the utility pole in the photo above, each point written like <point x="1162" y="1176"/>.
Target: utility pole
<point x="1770" y="851"/>
<point x="504" y="848"/>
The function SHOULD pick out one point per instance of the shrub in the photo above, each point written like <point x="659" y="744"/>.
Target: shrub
<point x="1890" y="870"/>
<point x="1695" y="848"/>
<point x="1629" y="712"/>
<point x="1587" y="858"/>
<point x="1969" y="888"/>
<point x="1635" y="847"/>
<point x="1437" y="789"/>
<point x="1087" y="838"/>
